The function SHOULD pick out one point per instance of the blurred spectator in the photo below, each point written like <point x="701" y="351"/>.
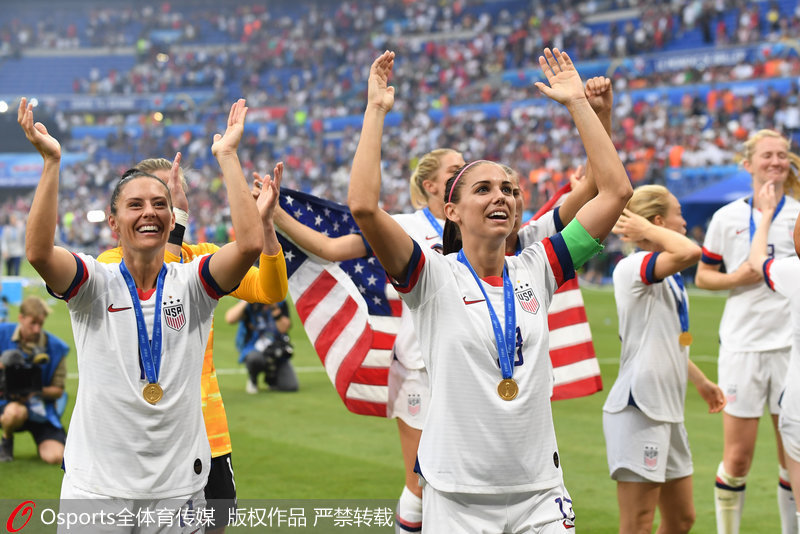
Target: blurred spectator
<point x="13" y="243"/>
<point x="264" y="344"/>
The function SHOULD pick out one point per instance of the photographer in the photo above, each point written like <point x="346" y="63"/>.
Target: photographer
<point x="34" y="362"/>
<point x="264" y="344"/>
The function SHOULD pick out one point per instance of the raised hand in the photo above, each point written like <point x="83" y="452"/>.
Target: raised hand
<point x="576" y="177"/>
<point x="565" y="84"/>
<point x="379" y="93"/>
<point x="600" y="94"/>
<point x="631" y="226"/>
<point x="269" y="191"/>
<point x="229" y="142"/>
<point x="767" y="198"/>
<point x="46" y="144"/>
<point x="175" y="185"/>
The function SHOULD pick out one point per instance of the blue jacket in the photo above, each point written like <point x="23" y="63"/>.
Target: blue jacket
<point x="56" y="349"/>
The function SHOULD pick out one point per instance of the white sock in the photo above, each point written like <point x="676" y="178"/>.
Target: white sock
<point x="797" y="518"/>
<point x="786" y="504"/>
<point x="409" y="513"/>
<point x="728" y="501"/>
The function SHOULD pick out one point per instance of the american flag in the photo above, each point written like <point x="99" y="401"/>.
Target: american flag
<point x="575" y="366"/>
<point x="349" y="311"/>
<point x="352" y="315"/>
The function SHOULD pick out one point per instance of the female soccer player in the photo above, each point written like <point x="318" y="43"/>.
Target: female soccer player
<point x="754" y="347"/>
<point x="136" y="436"/>
<point x="488" y="455"/>
<point x="648" y="451"/>
<point x="783" y="277"/>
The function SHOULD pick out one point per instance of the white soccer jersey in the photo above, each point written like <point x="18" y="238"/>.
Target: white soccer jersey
<point x="119" y="445"/>
<point x="473" y="441"/>
<point x="783" y="276"/>
<point x="653" y="366"/>
<point x="536" y="230"/>
<point x="748" y="323"/>
<point x="406" y="345"/>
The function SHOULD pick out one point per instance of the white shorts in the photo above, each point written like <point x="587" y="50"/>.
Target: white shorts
<point x="93" y="512"/>
<point x="409" y="394"/>
<point x="640" y="449"/>
<point x="790" y="435"/>
<point x="751" y="379"/>
<point x="544" y="512"/>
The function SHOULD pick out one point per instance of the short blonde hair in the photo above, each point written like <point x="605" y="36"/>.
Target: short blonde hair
<point x="649" y="201"/>
<point x="792" y="185"/>
<point x="425" y="170"/>
<point x="34" y="307"/>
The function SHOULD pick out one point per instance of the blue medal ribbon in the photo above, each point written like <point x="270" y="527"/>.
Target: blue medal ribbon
<point x="149" y="351"/>
<point x="680" y="301"/>
<point x="753" y="223"/>
<point x="433" y="221"/>
<point x="505" y="342"/>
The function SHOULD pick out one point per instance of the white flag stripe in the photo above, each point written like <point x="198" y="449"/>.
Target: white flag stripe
<point x="387" y="324"/>
<point x="344" y="343"/>
<point x="378" y="358"/>
<point x="566" y="300"/>
<point x="576" y="371"/>
<point x="570" y="335"/>
<point x="366" y="392"/>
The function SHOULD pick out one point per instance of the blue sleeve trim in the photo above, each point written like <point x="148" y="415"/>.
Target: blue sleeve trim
<point x="77" y="282"/>
<point x="765" y="268"/>
<point x="650" y="268"/>
<point x="414" y="267"/>
<point x="205" y="275"/>
<point x="562" y="255"/>
<point x="557" y="219"/>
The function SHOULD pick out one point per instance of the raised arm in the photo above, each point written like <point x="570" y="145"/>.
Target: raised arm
<point x="54" y="264"/>
<point x="677" y="251"/>
<point x="600" y="95"/>
<point x="230" y="263"/>
<point x="342" y="248"/>
<point x="758" y="247"/>
<point x="180" y="207"/>
<point x="600" y="214"/>
<point x="388" y="240"/>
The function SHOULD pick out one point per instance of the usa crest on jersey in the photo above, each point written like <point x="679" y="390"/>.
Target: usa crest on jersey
<point x="174" y="316"/>
<point x="527" y="299"/>
<point x="650" y="456"/>
<point x="414" y="403"/>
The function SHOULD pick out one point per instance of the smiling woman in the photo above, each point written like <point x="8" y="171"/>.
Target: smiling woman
<point x="140" y="329"/>
<point x="488" y="456"/>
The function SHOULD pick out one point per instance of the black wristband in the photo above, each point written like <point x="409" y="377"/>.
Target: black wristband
<point x="176" y="235"/>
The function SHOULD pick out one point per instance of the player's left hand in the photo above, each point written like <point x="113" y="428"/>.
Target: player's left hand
<point x="600" y="94"/>
<point x="565" y="84"/>
<point x="713" y="395"/>
<point x="175" y="185"/>
<point x="269" y="191"/>
<point x="631" y="227"/>
<point x="227" y="143"/>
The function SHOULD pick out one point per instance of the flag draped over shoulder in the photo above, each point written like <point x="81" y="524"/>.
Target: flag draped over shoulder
<point x="352" y="315"/>
<point x="349" y="311"/>
<point x="575" y="366"/>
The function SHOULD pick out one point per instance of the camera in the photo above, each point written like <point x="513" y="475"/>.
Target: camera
<point x="18" y="376"/>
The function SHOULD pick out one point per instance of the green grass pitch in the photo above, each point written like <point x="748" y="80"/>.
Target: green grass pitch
<point x="306" y="445"/>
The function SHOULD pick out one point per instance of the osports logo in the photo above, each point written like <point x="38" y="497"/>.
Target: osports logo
<point x="174" y="316"/>
<point x="25" y="509"/>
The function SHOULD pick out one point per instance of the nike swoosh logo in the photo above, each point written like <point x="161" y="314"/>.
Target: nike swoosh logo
<point x="473" y="301"/>
<point x="742" y="230"/>
<point x="112" y="309"/>
<point x="429" y="237"/>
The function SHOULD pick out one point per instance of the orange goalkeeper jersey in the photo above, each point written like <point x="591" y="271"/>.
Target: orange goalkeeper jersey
<point x="267" y="284"/>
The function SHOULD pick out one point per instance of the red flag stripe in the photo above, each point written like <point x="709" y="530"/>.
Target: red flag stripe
<point x="566" y="318"/>
<point x="374" y="376"/>
<point x="314" y="294"/>
<point x="363" y="407"/>
<point x="330" y="332"/>
<point x="352" y="361"/>
<point x="579" y="388"/>
<point x="572" y="354"/>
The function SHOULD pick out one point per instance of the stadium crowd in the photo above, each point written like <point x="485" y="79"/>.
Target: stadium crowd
<point x="301" y="69"/>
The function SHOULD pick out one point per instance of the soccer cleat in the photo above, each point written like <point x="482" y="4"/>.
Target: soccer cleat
<point x="251" y="387"/>
<point x="7" y="449"/>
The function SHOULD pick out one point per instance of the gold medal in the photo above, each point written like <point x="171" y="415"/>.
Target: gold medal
<point x="685" y="339"/>
<point x="152" y="393"/>
<point x="507" y="389"/>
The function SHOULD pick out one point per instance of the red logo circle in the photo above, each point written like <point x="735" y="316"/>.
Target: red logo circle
<point x="26" y="509"/>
